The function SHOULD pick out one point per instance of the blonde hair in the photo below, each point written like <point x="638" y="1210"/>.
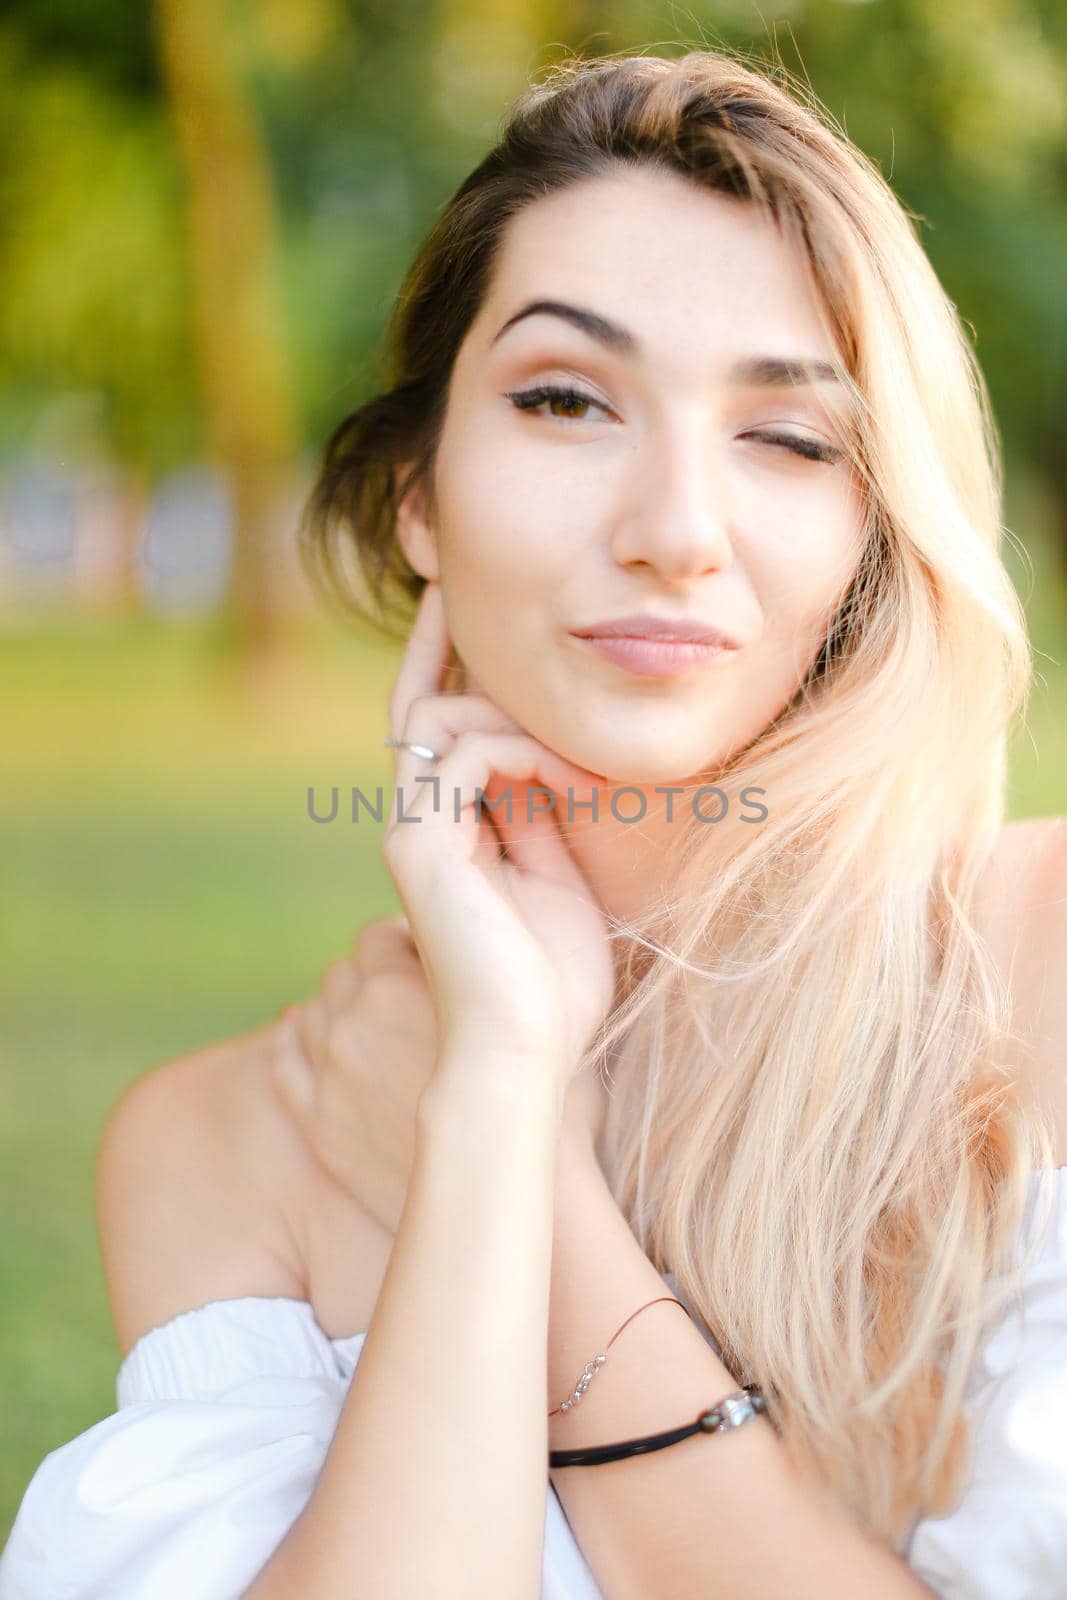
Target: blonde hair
<point x="812" y="1124"/>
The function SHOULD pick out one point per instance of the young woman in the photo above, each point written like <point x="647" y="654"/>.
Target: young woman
<point x="688" y="464"/>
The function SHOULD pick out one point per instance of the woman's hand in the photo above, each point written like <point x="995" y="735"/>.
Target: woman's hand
<point x="514" y="945"/>
<point x="351" y="1063"/>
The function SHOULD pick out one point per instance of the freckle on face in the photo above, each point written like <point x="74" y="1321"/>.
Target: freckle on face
<point x="665" y="503"/>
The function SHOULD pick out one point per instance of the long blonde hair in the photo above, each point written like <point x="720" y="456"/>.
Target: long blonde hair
<point x="812" y="1123"/>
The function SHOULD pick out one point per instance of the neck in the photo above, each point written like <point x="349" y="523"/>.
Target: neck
<point x="624" y="862"/>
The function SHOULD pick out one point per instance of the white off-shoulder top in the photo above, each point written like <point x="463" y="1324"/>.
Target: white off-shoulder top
<point x="225" y="1414"/>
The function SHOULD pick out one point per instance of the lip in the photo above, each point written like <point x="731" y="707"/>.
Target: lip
<point x="655" y="658"/>
<point x="658" y="630"/>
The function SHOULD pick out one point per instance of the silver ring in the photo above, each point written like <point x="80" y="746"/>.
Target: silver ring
<point x="422" y="750"/>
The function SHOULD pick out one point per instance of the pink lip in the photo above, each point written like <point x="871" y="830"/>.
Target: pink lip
<point x="656" y="658"/>
<point x="678" y="631"/>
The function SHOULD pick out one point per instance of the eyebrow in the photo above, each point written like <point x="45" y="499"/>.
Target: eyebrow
<point x="761" y="371"/>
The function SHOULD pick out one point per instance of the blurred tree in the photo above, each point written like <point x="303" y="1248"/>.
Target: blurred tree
<point x="238" y="316"/>
<point x="93" y="283"/>
<point x="345" y="124"/>
<point x="965" y="109"/>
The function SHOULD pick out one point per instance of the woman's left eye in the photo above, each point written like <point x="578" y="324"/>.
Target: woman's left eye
<point x="810" y="449"/>
<point x="530" y="399"/>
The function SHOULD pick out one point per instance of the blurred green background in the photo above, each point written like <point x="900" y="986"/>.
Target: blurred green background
<point x="205" y="209"/>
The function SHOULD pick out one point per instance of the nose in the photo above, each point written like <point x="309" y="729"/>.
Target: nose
<point x="677" y="518"/>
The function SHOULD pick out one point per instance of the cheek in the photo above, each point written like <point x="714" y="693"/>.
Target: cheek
<point x="491" y="569"/>
<point x="503" y="533"/>
<point x="805" y="568"/>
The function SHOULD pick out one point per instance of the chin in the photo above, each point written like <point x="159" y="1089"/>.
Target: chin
<point x="616" y="771"/>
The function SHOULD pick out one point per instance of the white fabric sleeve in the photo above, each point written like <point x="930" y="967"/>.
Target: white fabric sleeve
<point x="225" y="1416"/>
<point x="1006" y="1539"/>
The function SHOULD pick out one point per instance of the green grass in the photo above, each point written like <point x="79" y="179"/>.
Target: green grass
<point x="161" y="887"/>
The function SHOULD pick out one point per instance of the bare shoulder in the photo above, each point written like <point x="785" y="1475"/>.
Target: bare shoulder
<point x="1022" y="913"/>
<point x="198" y="1179"/>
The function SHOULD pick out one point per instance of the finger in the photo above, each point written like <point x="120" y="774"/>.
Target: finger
<point x="453" y="714"/>
<point x="309" y="1030"/>
<point x="292" y="1076"/>
<point x="435" y="721"/>
<point x="423" y="665"/>
<point x="389" y="943"/>
<point x="384" y="944"/>
<point x="534" y="838"/>
<point x="370" y="932"/>
<point x="449" y="819"/>
<point x="488" y="850"/>
<point x="339" y="984"/>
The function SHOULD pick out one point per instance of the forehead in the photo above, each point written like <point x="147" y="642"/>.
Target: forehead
<point x="693" y="273"/>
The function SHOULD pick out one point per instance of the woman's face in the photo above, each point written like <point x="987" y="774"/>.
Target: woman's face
<point x="669" y="488"/>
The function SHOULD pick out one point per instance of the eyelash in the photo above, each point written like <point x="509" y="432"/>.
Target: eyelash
<point x="808" y="449"/>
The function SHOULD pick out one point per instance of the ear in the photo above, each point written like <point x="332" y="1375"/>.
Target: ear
<point x="414" y="528"/>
